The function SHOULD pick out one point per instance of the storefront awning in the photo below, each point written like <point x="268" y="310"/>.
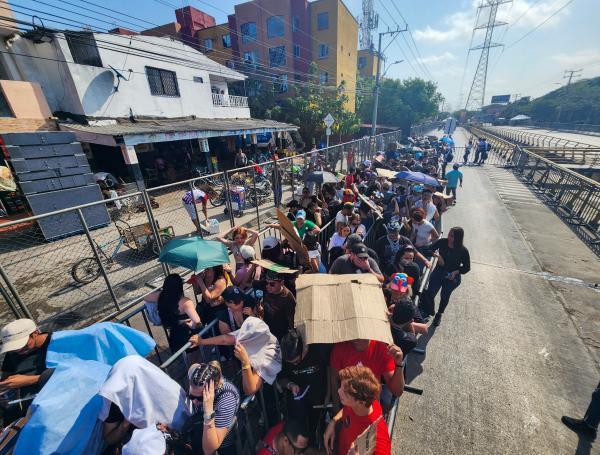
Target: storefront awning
<point x="117" y="132"/>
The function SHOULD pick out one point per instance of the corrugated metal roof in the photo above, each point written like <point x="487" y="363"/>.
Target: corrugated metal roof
<point x="125" y="128"/>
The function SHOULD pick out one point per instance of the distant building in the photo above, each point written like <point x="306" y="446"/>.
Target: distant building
<point x="215" y="43"/>
<point x="367" y="63"/>
<point x="171" y="29"/>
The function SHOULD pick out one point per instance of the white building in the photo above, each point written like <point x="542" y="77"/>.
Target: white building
<point x="138" y="99"/>
<point x="116" y="76"/>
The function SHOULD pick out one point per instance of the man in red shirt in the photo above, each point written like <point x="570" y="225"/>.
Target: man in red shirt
<point x="383" y="360"/>
<point x="358" y="393"/>
<point x="285" y="438"/>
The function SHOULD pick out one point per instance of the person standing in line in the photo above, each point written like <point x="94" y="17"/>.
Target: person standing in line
<point x="240" y="159"/>
<point x="453" y="262"/>
<point x="454" y="177"/>
<point x="277" y="182"/>
<point x="484" y="152"/>
<point x="189" y="200"/>
<point x="478" y="149"/>
<point x="468" y="149"/>
<point x="588" y="426"/>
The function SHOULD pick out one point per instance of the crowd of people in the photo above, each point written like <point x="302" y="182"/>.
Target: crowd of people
<point x="316" y="396"/>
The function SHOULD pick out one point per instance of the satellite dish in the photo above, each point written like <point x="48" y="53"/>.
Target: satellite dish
<point x="119" y="77"/>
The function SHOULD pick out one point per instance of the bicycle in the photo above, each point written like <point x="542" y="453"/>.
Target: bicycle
<point x="137" y="238"/>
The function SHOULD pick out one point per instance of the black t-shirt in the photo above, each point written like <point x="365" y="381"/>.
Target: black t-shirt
<point x="310" y="372"/>
<point x="279" y="310"/>
<point x="406" y="341"/>
<point x="344" y="266"/>
<point x="387" y="250"/>
<point x="454" y="258"/>
<point x="32" y="363"/>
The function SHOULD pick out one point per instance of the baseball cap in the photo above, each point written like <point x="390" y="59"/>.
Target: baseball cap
<point x="293" y="203"/>
<point x="269" y="242"/>
<point x="360" y="250"/>
<point x="394" y="226"/>
<point x="14" y="335"/>
<point x="367" y="163"/>
<point x="348" y="205"/>
<point x="417" y="188"/>
<point x="247" y="252"/>
<point x="404" y="311"/>
<point x="353" y="239"/>
<point x="400" y="282"/>
<point x="301" y="214"/>
<point x="233" y="294"/>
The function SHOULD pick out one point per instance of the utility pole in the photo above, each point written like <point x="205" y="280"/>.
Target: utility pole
<point x="570" y="75"/>
<point x="476" y="97"/>
<point x="377" y="77"/>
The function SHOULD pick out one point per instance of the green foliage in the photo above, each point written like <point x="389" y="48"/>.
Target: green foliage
<point x="403" y="103"/>
<point x="306" y="107"/>
<point x="577" y="103"/>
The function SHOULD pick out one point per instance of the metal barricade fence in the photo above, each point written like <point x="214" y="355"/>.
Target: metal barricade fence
<point x="97" y="268"/>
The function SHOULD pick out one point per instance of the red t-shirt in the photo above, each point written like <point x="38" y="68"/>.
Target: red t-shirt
<point x="352" y="426"/>
<point x="269" y="439"/>
<point x="376" y="357"/>
<point x="349" y="181"/>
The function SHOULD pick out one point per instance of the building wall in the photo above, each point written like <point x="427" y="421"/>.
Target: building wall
<point x="370" y="68"/>
<point x="219" y="53"/>
<point x="342" y="38"/>
<point x="172" y="29"/>
<point x="90" y="90"/>
<point x="192" y="20"/>
<point x="25" y="99"/>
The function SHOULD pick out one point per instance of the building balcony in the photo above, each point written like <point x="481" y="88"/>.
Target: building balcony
<point x="229" y="100"/>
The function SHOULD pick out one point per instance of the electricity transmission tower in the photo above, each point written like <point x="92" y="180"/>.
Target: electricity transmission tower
<point x="476" y="97"/>
<point x="368" y="23"/>
<point x="570" y="74"/>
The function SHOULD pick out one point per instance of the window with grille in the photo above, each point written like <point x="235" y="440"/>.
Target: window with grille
<point x="296" y="50"/>
<point x="362" y="62"/>
<point x="83" y="48"/>
<point x="323" y="50"/>
<point x="208" y="44"/>
<point x="248" y="32"/>
<point x="275" y="26"/>
<point x="251" y="58"/>
<point x="226" y="41"/>
<point x="277" y="56"/>
<point x="162" y="82"/>
<point x="295" y="23"/>
<point x="323" y="21"/>
<point x="324" y="77"/>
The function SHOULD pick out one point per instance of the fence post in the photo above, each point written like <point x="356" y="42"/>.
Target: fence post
<point x="256" y="197"/>
<point x="98" y="259"/>
<point x="292" y="183"/>
<point x="15" y="294"/>
<point x="154" y="226"/>
<point x="228" y="203"/>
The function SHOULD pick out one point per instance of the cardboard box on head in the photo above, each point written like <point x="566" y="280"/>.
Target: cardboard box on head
<point x="273" y="266"/>
<point x="336" y="308"/>
<point x="386" y="173"/>
<point x="372" y="206"/>
<point x="291" y="235"/>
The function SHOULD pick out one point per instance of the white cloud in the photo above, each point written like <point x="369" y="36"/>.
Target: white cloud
<point x="583" y="57"/>
<point x="522" y="14"/>
<point x="434" y="59"/>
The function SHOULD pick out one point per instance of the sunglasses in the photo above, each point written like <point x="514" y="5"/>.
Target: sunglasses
<point x="195" y="397"/>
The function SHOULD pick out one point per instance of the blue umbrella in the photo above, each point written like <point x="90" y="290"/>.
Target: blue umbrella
<point x="447" y="140"/>
<point x="194" y="253"/>
<point x="417" y="177"/>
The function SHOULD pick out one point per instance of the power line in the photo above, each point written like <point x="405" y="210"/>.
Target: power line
<point x="540" y="24"/>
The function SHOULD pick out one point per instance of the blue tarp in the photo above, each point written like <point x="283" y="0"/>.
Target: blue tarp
<point x="65" y="413"/>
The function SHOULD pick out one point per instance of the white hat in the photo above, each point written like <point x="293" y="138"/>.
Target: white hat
<point x="14" y="335"/>
<point x="270" y="242"/>
<point x="247" y="252"/>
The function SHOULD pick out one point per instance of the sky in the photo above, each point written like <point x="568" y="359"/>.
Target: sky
<point x="543" y="38"/>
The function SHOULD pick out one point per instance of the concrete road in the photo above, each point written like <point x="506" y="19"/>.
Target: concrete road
<point x="518" y="345"/>
<point x="583" y="138"/>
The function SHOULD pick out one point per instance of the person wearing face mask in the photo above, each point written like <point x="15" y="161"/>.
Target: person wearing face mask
<point x="388" y="246"/>
<point x="278" y="305"/>
<point x="405" y="263"/>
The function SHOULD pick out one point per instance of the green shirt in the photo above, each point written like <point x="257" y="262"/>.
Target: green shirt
<point x="307" y="226"/>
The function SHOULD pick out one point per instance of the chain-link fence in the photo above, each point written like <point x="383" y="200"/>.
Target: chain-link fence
<point x="95" y="271"/>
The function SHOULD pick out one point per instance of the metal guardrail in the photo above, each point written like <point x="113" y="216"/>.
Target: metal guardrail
<point x="36" y="275"/>
<point x="572" y="196"/>
<point x="526" y="137"/>
<point x="583" y="128"/>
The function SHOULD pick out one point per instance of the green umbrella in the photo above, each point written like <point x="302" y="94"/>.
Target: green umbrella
<point x="194" y="253"/>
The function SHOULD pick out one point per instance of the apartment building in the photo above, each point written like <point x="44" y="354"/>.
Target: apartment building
<point x="215" y="43"/>
<point x="367" y="63"/>
<point x="334" y="32"/>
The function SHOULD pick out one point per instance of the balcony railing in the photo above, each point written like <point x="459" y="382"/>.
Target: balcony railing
<point x="229" y="100"/>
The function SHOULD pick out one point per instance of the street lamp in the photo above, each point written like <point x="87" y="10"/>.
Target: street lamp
<point x="389" y="66"/>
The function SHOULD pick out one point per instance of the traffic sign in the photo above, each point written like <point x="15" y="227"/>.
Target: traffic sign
<point x="328" y="131"/>
<point x="329" y="120"/>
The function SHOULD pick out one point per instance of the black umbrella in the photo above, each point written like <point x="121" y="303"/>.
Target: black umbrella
<point x="322" y="177"/>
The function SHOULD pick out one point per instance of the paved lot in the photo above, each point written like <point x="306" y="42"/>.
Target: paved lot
<point x="518" y="346"/>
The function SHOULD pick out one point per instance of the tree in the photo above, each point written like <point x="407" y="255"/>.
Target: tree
<point x="405" y="103"/>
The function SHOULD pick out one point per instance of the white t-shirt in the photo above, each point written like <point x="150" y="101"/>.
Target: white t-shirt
<point x="422" y="233"/>
<point x="430" y="209"/>
<point x="336" y="240"/>
<point x="341" y="218"/>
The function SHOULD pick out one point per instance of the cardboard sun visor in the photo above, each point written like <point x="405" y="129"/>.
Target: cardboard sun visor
<point x="386" y="173"/>
<point x="291" y="235"/>
<point x="273" y="266"/>
<point x="370" y="205"/>
<point x="336" y="308"/>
